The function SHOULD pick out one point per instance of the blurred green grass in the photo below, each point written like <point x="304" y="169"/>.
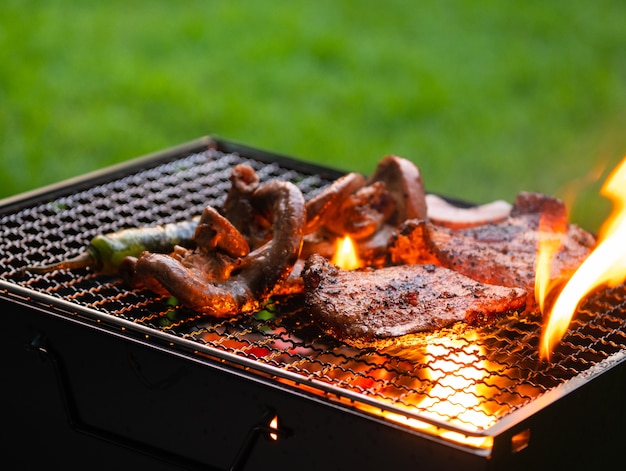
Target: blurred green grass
<point x="487" y="98"/>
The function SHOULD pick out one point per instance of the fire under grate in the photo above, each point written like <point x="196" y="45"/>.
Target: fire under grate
<point x="465" y="380"/>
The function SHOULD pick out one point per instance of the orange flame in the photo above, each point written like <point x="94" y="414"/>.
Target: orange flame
<point x="551" y="232"/>
<point x="606" y="265"/>
<point x="346" y="256"/>
<point x="274" y="426"/>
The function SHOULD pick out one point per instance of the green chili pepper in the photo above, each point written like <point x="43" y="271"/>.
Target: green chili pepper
<point x="105" y="252"/>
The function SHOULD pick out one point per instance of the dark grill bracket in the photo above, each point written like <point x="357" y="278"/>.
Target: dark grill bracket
<point x="264" y="429"/>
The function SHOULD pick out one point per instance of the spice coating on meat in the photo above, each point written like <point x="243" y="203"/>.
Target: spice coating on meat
<point x="366" y="306"/>
<point x="502" y="253"/>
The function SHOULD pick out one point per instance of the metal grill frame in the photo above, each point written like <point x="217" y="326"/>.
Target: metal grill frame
<point x="264" y="377"/>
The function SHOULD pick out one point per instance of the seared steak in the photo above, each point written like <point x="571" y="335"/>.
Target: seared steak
<point x="368" y="307"/>
<point x="502" y="253"/>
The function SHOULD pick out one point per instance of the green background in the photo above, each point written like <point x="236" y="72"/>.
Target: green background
<point x="488" y="98"/>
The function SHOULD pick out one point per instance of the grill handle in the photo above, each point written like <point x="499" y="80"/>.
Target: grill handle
<point x="41" y="345"/>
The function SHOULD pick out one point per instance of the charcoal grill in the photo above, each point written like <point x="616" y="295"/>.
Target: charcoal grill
<point x="99" y="373"/>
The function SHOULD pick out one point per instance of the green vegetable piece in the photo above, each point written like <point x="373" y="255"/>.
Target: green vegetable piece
<point x="106" y="252"/>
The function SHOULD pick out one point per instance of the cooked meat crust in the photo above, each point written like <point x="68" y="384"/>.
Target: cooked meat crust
<point x="501" y="253"/>
<point x="222" y="276"/>
<point x="366" y="306"/>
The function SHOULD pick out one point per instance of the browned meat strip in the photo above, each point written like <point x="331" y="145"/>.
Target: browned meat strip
<point x="221" y="277"/>
<point x="502" y="253"/>
<point x="321" y="208"/>
<point x="239" y="209"/>
<point x="371" y="306"/>
<point x="403" y="180"/>
<point x="369" y="211"/>
<point x="363" y="212"/>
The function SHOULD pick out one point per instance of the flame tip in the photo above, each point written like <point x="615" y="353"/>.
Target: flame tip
<point x="346" y="255"/>
<point x="604" y="266"/>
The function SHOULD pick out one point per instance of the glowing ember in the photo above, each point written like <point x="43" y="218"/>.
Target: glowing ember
<point x="346" y="256"/>
<point x="458" y="373"/>
<point x="475" y="441"/>
<point x="606" y="265"/>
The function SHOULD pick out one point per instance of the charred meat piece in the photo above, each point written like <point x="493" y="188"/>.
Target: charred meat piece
<point x="371" y="306"/>
<point x="222" y="276"/>
<point x="412" y="244"/>
<point x="239" y="209"/>
<point x="502" y="253"/>
<point x="368" y="210"/>
<point x="320" y="208"/>
<point x="363" y="212"/>
<point x="403" y="181"/>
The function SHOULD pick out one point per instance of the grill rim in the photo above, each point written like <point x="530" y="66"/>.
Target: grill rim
<point x="154" y="159"/>
<point x="87" y="180"/>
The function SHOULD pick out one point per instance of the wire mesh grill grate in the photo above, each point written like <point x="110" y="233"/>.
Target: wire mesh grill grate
<point x="470" y="377"/>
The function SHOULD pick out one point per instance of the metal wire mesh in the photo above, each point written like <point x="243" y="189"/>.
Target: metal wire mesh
<point x="471" y="377"/>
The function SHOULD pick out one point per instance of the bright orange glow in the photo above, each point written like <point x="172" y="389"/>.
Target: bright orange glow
<point x="551" y="231"/>
<point x="346" y="256"/>
<point x="474" y="441"/>
<point x="463" y="364"/>
<point x="606" y="265"/>
<point x="274" y="426"/>
<point x="458" y="372"/>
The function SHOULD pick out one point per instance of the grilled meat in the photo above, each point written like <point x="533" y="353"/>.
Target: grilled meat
<point x="501" y="253"/>
<point x="368" y="210"/>
<point x="321" y="208"/>
<point x="222" y="277"/>
<point x="444" y="213"/>
<point x="363" y="212"/>
<point x="403" y="181"/>
<point x="239" y="209"/>
<point x="371" y="306"/>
